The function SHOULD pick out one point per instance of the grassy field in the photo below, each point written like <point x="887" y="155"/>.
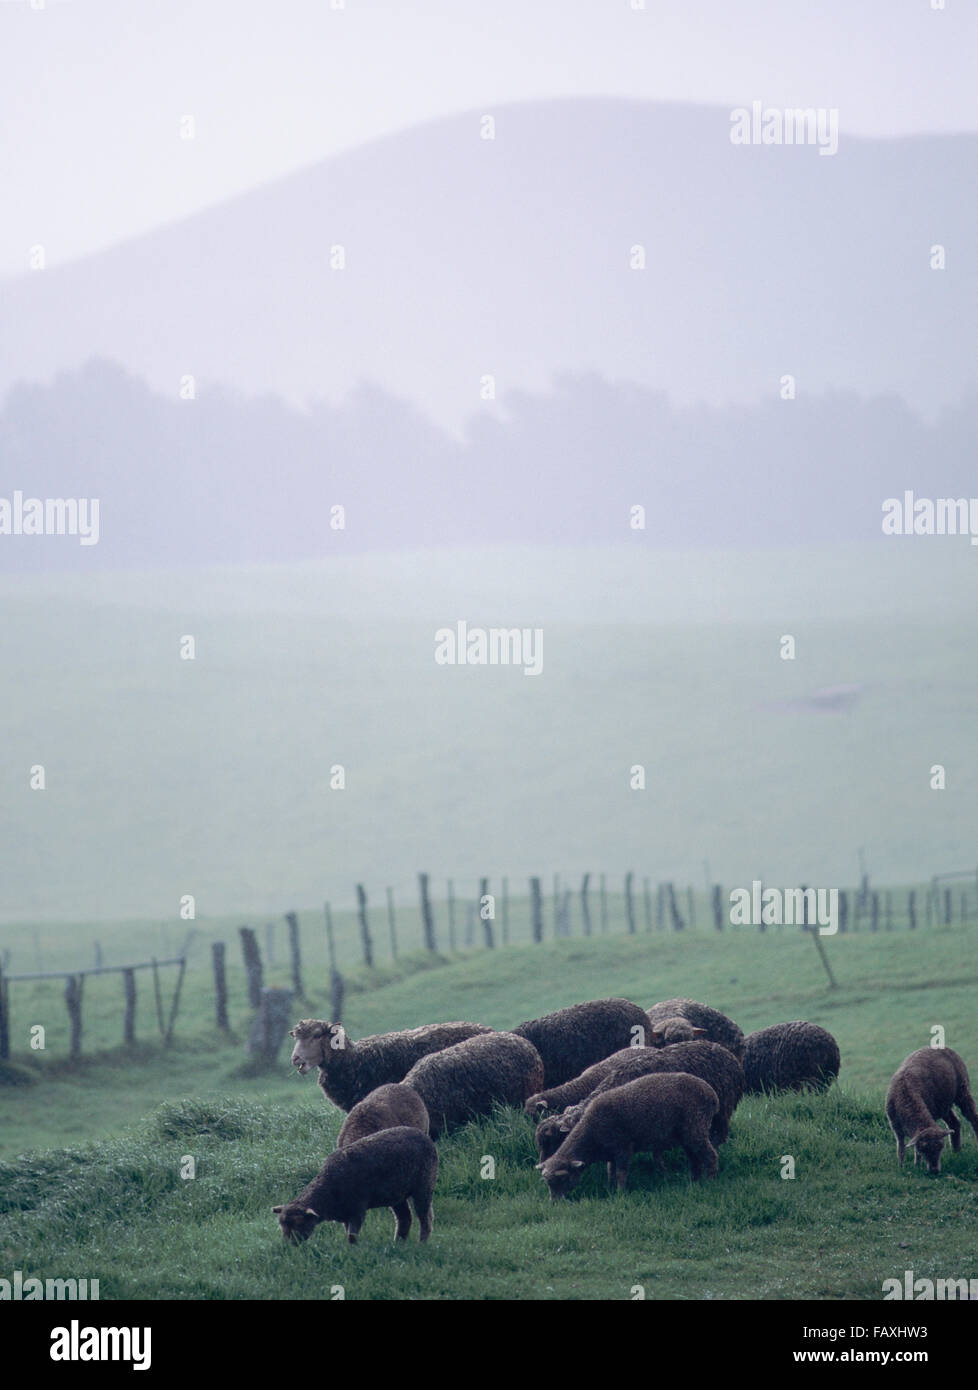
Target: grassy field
<point x="91" y="1186"/>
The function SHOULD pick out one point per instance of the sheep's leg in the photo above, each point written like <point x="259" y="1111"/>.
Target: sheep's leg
<point x="402" y="1216"/>
<point x="619" y="1167"/>
<point x="703" y="1160"/>
<point x="954" y="1125"/>
<point x="353" y="1225"/>
<point x="965" y="1103"/>
<point x="900" y="1139"/>
<point x="425" y="1213"/>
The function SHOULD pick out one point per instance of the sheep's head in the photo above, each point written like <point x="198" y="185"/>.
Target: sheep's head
<point x="550" y="1134"/>
<point x="674" y="1030"/>
<point x="561" y="1175"/>
<point x="929" y="1144"/>
<point x="314" y="1040"/>
<point x="536" y="1107"/>
<point x="297" y="1222"/>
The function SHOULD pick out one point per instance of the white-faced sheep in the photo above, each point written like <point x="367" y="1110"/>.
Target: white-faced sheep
<point x="796" y="1056"/>
<point x="468" y="1079"/>
<point x="386" y="1169"/>
<point x="569" y="1040"/>
<point x="655" y="1113"/>
<point x="684" y="1020"/>
<point x="387" y="1107"/>
<point x="712" y="1063"/>
<point x="349" y="1071"/>
<point x="923" y="1090"/>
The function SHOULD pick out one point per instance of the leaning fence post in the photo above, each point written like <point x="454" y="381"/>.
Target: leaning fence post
<point x="129" y="1019"/>
<point x="365" y="937"/>
<point x="158" y="996"/>
<point x="295" y="953"/>
<point x="73" y="998"/>
<point x="391" y="924"/>
<point x="175" y="1004"/>
<point x="677" y="921"/>
<point x="629" y="905"/>
<point x="536" y="909"/>
<point x="220" y="986"/>
<point x="427" y="920"/>
<point x="252" y="964"/>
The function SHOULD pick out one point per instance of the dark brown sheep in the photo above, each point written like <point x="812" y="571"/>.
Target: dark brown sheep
<point x="386" y="1108"/>
<point x="794" y="1056"/>
<point x="572" y="1039"/>
<point x="923" y="1090"/>
<point x="717" y="1027"/>
<point x="384" y="1170"/>
<point x="466" y="1080"/>
<point x="349" y="1071"/>
<point x="655" y="1113"/>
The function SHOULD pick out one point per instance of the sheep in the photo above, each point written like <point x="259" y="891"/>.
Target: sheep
<point x="383" y="1170"/>
<point x="794" y="1056"/>
<point x="468" y="1079"/>
<point x="571" y="1039"/>
<point x="922" y="1091"/>
<point x="709" y="1061"/>
<point x="388" y="1107"/>
<point x="349" y="1071"/>
<point x="715" y="1027"/>
<point x="655" y="1112"/>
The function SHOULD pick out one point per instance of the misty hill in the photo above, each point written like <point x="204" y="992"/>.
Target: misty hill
<point x="510" y="256"/>
<point x="228" y="479"/>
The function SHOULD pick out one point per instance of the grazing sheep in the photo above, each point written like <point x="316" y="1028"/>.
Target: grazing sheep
<point x="571" y="1039"/>
<point x="383" y="1170"/>
<point x="469" y="1078"/>
<point x="709" y="1061"/>
<point x="716" y="1027"/>
<point x="795" y="1056"/>
<point x="349" y="1071"/>
<point x="923" y="1089"/>
<point x="386" y="1108"/>
<point x="655" y="1113"/>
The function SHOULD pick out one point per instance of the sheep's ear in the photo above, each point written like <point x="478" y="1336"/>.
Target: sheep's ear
<point x="310" y="1212"/>
<point x="912" y="1143"/>
<point x="541" y="1107"/>
<point x="291" y="1032"/>
<point x="564" y="1129"/>
<point x="276" y="1210"/>
<point x="577" y="1163"/>
<point x="699" y="1032"/>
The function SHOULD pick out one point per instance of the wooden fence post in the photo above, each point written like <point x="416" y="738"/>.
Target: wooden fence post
<point x="585" y="905"/>
<point x="647" y="902"/>
<point x="252" y="964"/>
<point x="629" y="904"/>
<point x="175" y="1003"/>
<point x="677" y="921"/>
<point x="660" y="906"/>
<point x="536" y="910"/>
<point x="330" y="943"/>
<point x="718" y="907"/>
<point x="563" y="914"/>
<point x="874" y="911"/>
<point x="947" y="907"/>
<point x="556" y="903"/>
<point x="129" y="1019"/>
<point x="4" y="1018"/>
<point x="888" y="911"/>
<point x="98" y="955"/>
<point x="158" y="997"/>
<point x="483" y="909"/>
<point x="336" y="996"/>
<point x="505" y="911"/>
<point x="270" y="1026"/>
<point x="220" y="986"/>
<point x="451" y="915"/>
<point x="427" y="920"/>
<point x="390" y="923"/>
<point x="690" y="906"/>
<point x="73" y="1001"/>
<point x="295" y="953"/>
<point x="365" y="937"/>
<point x="603" y="896"/>
<point x="912" y="909"/>
<point x="843" y="910"/>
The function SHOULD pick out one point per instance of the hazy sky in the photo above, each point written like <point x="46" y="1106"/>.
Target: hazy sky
<point x="92" y="91"/>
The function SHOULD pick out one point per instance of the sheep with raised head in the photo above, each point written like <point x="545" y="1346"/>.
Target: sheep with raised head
<point x="467" y="1080"/>
<point x="349" y="1071"/>
<point x="387" y="1169"/>
<point x="388" y="1107"/>
<point x="924" y="1088"/>
<point x="571" y="1039"/>
<point x="655" y="1113"/>
<point x="712" y="1063"/>
<point x="685" y="1020"/>
<point x="796" y="1056"/>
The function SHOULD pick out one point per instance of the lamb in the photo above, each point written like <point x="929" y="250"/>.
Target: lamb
<point x="709" y="1061"/>
<point x="655" y="1112"/>
<point x="667" y="1028"/>
<point x="468" y="1079"/>
<point x="571" y="1039"/>
<point x="383" y="1170"/>
<point x="349" y="1071"/>
<point x="388" y="1107"/>
<point x="923" y="1089"/>
<point x="794" y="1056"/>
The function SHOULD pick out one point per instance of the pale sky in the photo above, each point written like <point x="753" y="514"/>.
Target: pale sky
<point x="92" y="92"/>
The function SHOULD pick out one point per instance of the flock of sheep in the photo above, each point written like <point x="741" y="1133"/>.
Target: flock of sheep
<point x="603" y="1080"/>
